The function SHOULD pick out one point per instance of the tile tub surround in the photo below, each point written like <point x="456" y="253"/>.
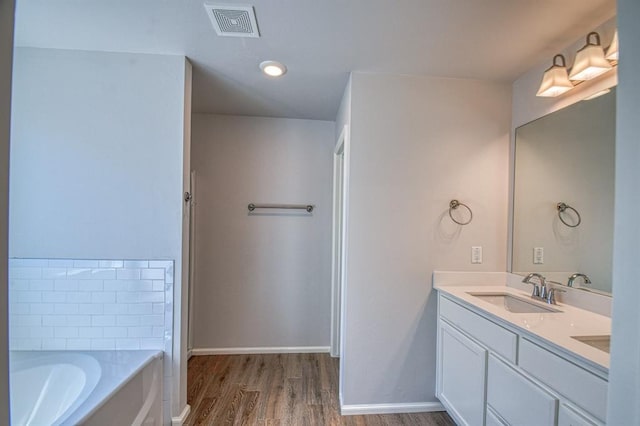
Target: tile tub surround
<point x="72" y="304"/>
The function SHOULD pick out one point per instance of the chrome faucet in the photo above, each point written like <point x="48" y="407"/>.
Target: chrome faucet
<point x="577" y="275"/>
<point x="538" y="290"/>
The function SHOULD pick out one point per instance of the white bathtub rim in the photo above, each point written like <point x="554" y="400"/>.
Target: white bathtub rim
<point x="107" y="387"/>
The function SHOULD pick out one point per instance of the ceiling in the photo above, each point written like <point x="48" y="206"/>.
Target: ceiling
<point x="319" y="41"/>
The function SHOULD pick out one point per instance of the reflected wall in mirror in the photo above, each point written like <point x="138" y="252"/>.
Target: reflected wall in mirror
<point x="566" y="157"/>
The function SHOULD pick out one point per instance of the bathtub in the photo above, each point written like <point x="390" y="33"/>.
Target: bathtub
<point x="92" y="387"/>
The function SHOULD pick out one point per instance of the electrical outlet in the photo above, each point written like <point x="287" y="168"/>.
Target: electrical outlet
<point x="476" y="254"/>
<point x="538" y="255"/>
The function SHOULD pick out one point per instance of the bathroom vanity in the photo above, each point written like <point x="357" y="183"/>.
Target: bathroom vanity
<point x="505" y="358"/>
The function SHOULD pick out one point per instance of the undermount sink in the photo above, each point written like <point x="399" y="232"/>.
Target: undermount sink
<point x="513" y="303"/>
<point x="599" y="342"/>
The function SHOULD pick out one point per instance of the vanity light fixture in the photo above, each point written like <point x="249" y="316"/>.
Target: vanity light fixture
<point x="612" y="51"/>
<point x="273" y="68"/>
<point x="590" y="61"/>
<point x="555" y="80"/>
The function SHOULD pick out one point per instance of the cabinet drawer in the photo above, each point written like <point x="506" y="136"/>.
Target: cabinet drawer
<point x="578" y="385"/>
<point x="569" y="417"/>
<point x="516" y="399"/>
<point x="496" y="338"/>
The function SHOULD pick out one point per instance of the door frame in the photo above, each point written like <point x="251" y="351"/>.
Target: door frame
<point x="341" y="156"/>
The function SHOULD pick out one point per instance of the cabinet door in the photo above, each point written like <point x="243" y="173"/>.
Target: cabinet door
<point x="570" y="417"/>
<point x="518" y="400"/>
<point x="461" y="376"/>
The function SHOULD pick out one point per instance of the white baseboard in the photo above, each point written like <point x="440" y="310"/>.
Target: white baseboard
<point x="179" y="420"/>
<point x="261" y="350"/>
<point x="189" y="354"/>
<point x="411" y="407"/>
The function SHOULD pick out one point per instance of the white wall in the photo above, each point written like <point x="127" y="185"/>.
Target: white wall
<point x="416" y="143"/>
<point x="97" y="160"/>
<point x="567" y="156"/>
<point x="96" y="155"/>
<point x="624" y="375"/>
<point x="262" y="279"/>
<point x="6" y="52"/>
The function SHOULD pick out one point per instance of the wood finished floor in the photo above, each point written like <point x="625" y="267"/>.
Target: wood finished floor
<point x="278" y="389"/>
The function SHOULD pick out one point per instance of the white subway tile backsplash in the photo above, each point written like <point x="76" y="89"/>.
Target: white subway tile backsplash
<point x="54" y="344"/>
<point x="91" y="285"/>
<point x="91" y="332"/>
<point x="91" y="309"/>
<point x="41" y="332"/>
<point x="79" y="297"/>
<point x="128" y="320"/>
<point x="26" y="273"/>
<point x="79" y="320"/>
<point x="100" y="297"/>
<point x="58" y="304"/>
<point x="151" y="343"/>
<point x="141" y="285"/>
<point x="158" y="308"/>
<point x="27" y="320"/>
<point x="116" y="309"/>
<point x="52" y="320"/>
<point x="140" y="309"/>
<point x="41" y="285"/>
<point x="139" y="331"/>
<point x="21" y="308"/>
<point x="152" y="320"/>
<point x="65" y="332"/>
<point x="78" y="344"/>
<point x="66" y="285"/>
<point x="54" y="273"/>
<point x="103" y="320"/>
<point x="65" y="308"/>
<point x="128" y="274"/>
<point x="152" y="274"/>
<point x="128" y="344"/>
<point x="54" y="297"/>
<point x="27" y="296"/>
<point x="136" y="264"/>
<point x="115" y="332"/>
<point x="39" y="308"/>
<point x="103" y="344"/>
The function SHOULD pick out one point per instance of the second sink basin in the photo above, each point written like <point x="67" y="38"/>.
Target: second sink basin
<point x="513" y="303"/>
<point x="599" y="342"/>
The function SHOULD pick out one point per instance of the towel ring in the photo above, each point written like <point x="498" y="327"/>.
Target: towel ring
<point x="562" y="207"/>
<point x="453" y="205"/>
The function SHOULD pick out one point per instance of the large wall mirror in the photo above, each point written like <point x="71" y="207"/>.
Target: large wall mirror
<point x="564" y="195"/>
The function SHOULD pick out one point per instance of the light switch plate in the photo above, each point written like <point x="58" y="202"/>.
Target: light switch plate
<point x="538" y="255"/>
<point x="476" y="254"/>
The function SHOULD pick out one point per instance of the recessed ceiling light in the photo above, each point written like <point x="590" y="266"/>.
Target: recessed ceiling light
<point x="273" y="68"/>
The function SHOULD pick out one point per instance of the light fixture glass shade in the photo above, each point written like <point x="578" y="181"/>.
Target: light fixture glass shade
<point x="612" y="51"/>
<point x="555" y="80"/>
<point x="590" y="61"/>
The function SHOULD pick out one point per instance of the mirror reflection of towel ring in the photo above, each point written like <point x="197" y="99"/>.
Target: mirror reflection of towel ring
<point x="453" y="205"/>
<point x="562" y="207"/>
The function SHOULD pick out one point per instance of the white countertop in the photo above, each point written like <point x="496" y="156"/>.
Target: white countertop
<point x="555" y="328"/>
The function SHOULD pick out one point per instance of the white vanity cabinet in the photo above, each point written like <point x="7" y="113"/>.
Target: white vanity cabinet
<point x="490" y="373"/>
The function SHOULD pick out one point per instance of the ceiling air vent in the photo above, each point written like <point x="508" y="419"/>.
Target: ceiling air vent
<point x="233" y="21"/>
